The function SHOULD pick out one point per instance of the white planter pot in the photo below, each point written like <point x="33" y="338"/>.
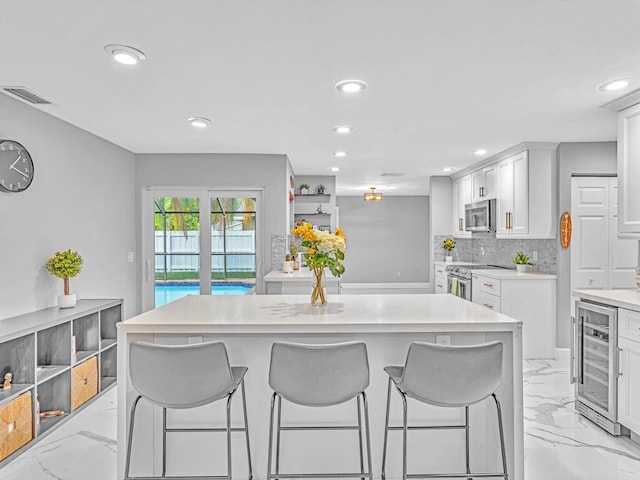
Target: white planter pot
<point x="448" y="259"/>
<point x="67" y="301"/>
<point x="304" y="191"/>
<point x="521" y="268"/>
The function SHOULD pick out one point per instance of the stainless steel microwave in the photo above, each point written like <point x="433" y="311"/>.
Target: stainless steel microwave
<point x="480" y="216"/>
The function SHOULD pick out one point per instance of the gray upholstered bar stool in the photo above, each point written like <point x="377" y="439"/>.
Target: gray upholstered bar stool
<point x="185" y="376"/>
<point x="447" y="376"/>
<point x="319" y="376"/>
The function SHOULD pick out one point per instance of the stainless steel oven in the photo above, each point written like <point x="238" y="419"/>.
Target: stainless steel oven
<point x="458" y="284"/>
<point x="594" y="364"/>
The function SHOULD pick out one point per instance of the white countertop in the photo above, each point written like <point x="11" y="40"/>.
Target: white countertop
<point x="302" y="275"/>
<point x="503" y="273"/>
<point x="343" y="313"/>
<point x="624" y="298"/>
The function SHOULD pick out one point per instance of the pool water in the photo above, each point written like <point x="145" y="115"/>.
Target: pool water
<point x="167" y="293"/>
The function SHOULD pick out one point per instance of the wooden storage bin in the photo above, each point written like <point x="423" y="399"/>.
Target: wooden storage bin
<point x="16" y="425"/>
<point x="84" y="382"/>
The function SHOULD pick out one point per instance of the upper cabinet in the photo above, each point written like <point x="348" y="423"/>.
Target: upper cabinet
<point x="523" y="180"/>
<point x="512" y="207"/>
<point x="461" y="196"/>
<point x="483" y="184"/>
<point x="629" y="172"/>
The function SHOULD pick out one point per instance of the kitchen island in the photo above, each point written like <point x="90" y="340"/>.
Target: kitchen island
<point x="387" y="323"/>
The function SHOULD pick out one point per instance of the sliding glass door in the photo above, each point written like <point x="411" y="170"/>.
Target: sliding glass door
<point x="175" y="238"/>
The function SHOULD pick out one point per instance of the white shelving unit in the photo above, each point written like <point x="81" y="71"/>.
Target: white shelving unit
<point x="44" y="351"/>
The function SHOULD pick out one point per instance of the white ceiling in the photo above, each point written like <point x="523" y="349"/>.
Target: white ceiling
<point x="445" y="77"/>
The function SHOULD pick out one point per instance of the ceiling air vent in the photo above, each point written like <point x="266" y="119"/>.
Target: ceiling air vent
<point x="391" y="174"/>
<point x="24" y="94"/>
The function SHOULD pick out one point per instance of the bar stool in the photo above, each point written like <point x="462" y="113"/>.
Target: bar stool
<point x="319" y="376"/>
<point x="185" y="376"/>
<point x="447" y="376"/>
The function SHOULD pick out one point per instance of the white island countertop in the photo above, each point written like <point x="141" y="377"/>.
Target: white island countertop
<point x="624" y="298"/>
<point x="250" y="324"/>
<point x="343" y="313"/>
<point x="301" y="275"/>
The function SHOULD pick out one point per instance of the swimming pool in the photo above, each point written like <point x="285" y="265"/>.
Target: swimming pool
<point x="166" y="293"/>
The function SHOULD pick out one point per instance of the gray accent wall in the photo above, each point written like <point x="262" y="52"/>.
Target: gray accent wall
<point x="592" y="158"/>
<point x="388" y="241"/>
<point x="81" y="198"/>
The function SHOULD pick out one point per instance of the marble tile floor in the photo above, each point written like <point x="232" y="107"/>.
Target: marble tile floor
<point x="559" y="444"/>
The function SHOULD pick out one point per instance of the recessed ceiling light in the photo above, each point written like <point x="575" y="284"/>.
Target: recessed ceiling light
<point x="616" y="84"/>
<point x="125" y="54"/>
<point x="199" y="122"/>
<point x="339" y="154"/>
<point x="351" y="86"/>
<point x="447" y="169"/>
<point x="334" y="169"/>
<point x="480" y="151"/>
<point x="342" y="129"/>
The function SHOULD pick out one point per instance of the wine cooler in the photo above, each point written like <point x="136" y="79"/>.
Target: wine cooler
<point x="594" y="365"/>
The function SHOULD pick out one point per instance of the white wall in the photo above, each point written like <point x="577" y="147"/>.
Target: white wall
<point x="388" y="241"/>
<point x="81" y="198"/>
<point x="440" y="212"/>
<point x="575" y="158"/>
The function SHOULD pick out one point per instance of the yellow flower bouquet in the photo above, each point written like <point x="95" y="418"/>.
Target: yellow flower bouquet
<point x="324" y="249"/>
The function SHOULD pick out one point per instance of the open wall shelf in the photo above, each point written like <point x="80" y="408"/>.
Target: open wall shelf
<point x="59" y="359"/>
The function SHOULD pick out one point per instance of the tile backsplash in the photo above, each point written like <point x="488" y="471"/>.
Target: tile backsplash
<point x="494" y="251"/>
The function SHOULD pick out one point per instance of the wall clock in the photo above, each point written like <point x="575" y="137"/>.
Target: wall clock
<point x="16" y="167"/>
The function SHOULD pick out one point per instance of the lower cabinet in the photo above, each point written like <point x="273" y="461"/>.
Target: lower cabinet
<point x="629" y="369"/>
<point x="531" y="300"/>
<point x="439" y="279"/>
<point x="63" y="359"/>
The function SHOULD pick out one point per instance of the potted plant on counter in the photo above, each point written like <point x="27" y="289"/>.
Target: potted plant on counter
<point x="521" y="260"/>
<point x="449" y="244"/>
<point x="65" y="265"/>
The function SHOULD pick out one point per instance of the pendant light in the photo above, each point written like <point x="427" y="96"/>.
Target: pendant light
<point x="372" y="196"/>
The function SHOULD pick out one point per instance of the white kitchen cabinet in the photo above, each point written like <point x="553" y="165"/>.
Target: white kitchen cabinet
<point x="512" y="207"/>
<point x="629" y="384"/>
<point x="528" y="299"/>
<point x="461" y="197"/>
<point x="439" y="279"/>
<point x="629" y="172"/>
<point x="483" y="184"/>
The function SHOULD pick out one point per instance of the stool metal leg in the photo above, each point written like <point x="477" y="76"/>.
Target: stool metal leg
<point x="164" y="442"/>
<point x="467" y="442"/>
<point x="130" y="439"/>
<point x="270" y="446"/>
<point x="246" y="428"/>
<point x="404" y="435"/>
<point x="368" y="439"/>
<point x="360" y="436"/>
<point x="386" y="433"/>
<point x="502" y="447"/>
<point x="278" y="429"/>
<point x="229" y="434"/>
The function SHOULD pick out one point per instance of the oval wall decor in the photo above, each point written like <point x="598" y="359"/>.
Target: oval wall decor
<point x="565" y="230"/>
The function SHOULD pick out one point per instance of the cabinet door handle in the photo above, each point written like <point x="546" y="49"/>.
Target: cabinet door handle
<point x="619" y="361"/>
<point x="481" y="192"/>
<point x="488" y="306"/>
<point x="439" y="286"/>
<point x="460" y="224"/>
<point x="488" y="285"/>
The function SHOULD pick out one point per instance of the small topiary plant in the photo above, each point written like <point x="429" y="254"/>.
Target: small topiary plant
<point x="65" y="265"/>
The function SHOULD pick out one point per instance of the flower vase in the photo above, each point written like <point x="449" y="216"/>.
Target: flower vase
<point x="318" y="295"/>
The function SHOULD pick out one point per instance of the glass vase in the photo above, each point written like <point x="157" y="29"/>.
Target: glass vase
<point x="318" y="295"/>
